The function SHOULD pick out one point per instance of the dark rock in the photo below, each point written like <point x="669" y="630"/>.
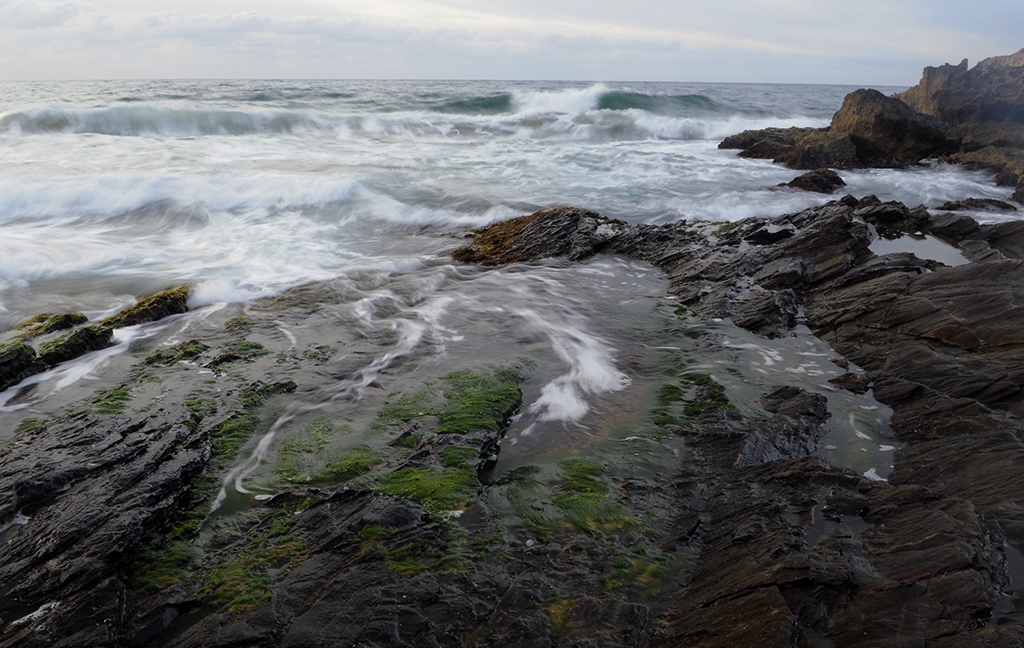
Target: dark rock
<point x="91" y="488"/>
<point x="779" y="138"/>
<point x="17" y="362"/>
<point x="543" y="234"/>
<point x="983" y="108"/>
<point x="977" y="204"/>
<point x="886" y="131"/>
<point x="824" y="181"/>
<point x="856" y="383"/>
<point x="47" y="323"/>
<point x="819" y="149"/>
<point x="869" y="130"/>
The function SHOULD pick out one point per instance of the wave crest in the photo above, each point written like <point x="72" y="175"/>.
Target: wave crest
<point x="141" y="120"/>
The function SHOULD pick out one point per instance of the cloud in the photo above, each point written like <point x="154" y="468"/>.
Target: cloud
<point x="880" y="42"/>
<point x="23" y="14"/>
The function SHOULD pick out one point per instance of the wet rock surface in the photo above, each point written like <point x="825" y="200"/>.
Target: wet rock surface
<point x="941" y="346"/>
<point x="118" y="525"/>
<point x="112" y="537"/>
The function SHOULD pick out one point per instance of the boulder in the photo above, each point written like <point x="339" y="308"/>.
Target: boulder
<point x="824" y="181"/>
<point x="869" y="130"/>
<point x="886" y="131"/>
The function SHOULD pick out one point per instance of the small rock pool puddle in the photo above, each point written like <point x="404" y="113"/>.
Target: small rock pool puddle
<point x="923" y="246"/>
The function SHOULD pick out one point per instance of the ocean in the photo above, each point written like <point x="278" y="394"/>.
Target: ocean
<point x="113" y="190"/>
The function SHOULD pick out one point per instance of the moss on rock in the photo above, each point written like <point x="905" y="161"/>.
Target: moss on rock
<point x="151" y="309"/>
<point x="75" y="344"/>
<point x="47" y="323"/>
<point x="17" y="362"/>
<point x="183" y="352"/>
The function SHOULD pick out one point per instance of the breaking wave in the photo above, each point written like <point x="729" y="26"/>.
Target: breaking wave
<point x="582" y="113"/>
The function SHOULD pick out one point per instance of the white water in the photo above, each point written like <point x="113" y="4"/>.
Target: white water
<point x="112" y="190"/>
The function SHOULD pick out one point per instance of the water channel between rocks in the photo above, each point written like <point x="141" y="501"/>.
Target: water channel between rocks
<point x="594" y="342"/>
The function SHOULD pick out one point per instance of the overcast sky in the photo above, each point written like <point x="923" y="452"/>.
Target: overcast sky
<point x="869" y="42"/>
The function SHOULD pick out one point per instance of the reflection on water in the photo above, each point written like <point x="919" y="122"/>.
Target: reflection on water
<point x="925" y="247"/>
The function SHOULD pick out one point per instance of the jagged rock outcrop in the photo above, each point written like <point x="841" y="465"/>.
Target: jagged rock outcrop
<point x="869" y="130"/>
<point x="971" y="116"/>
<point x="983" y="108"/>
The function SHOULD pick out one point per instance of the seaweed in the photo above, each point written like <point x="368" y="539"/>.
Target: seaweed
<point x="111" y="401"/>
<point x="17" y="362"/>
<point x="439" y="491"/>
<point x="47" y="323"/>
<point x="183" y="352"/>
<point x="151" y="309"/>
<point x="585" y="500"/>
<point x="75" y="344"/>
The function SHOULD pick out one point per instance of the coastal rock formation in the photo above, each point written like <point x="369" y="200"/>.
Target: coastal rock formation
<point x="939" y="345"/>
<point x="983" y="108"/>
<point x="869" y="130"/>
<point x="751" y="538"/>
<point x="970" y="116"/>
<point x="19" y="359"/>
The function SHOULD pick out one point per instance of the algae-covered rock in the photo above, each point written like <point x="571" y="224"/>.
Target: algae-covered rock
<point x="75" y="344"/>
<point x="151" y="309"/>
<point x="49" y="323"/>
<point x="17" y="362"/>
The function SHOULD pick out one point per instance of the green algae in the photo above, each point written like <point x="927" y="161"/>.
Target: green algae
<point x="74" y="344"/>
<point x="458" y="456"/>
<point x="462" y="401"/>
<point x="479" y="401"/>
<point x="678" y="403"/>
<point x="238" y="324"/>
<point x="352" y="462"/>
<point x="155" y="570"/>
<point x="439" y="491"/>
<point x="46" y="323"/>
<point x="111" y="401"/>
<point x="17" y="362"/>
<point x="243" y="583"/>
<point x="184" y="352"/>
<point x="585" y="499"/>
<point x="320" y="353"/>
<point x="302" y="459"/>
<point x="238" y="351"/>
<point x="440" y="555"/>
<point x="259" y="392"/>
<point x="151" y="309"/>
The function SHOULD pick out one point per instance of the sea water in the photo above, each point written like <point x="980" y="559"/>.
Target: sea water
<point x="110" y="191"/>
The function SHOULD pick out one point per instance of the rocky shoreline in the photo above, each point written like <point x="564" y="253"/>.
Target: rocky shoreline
<point x="119" y="530"/>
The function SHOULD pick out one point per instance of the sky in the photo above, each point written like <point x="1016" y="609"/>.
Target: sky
<point x="876" y="42"/>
